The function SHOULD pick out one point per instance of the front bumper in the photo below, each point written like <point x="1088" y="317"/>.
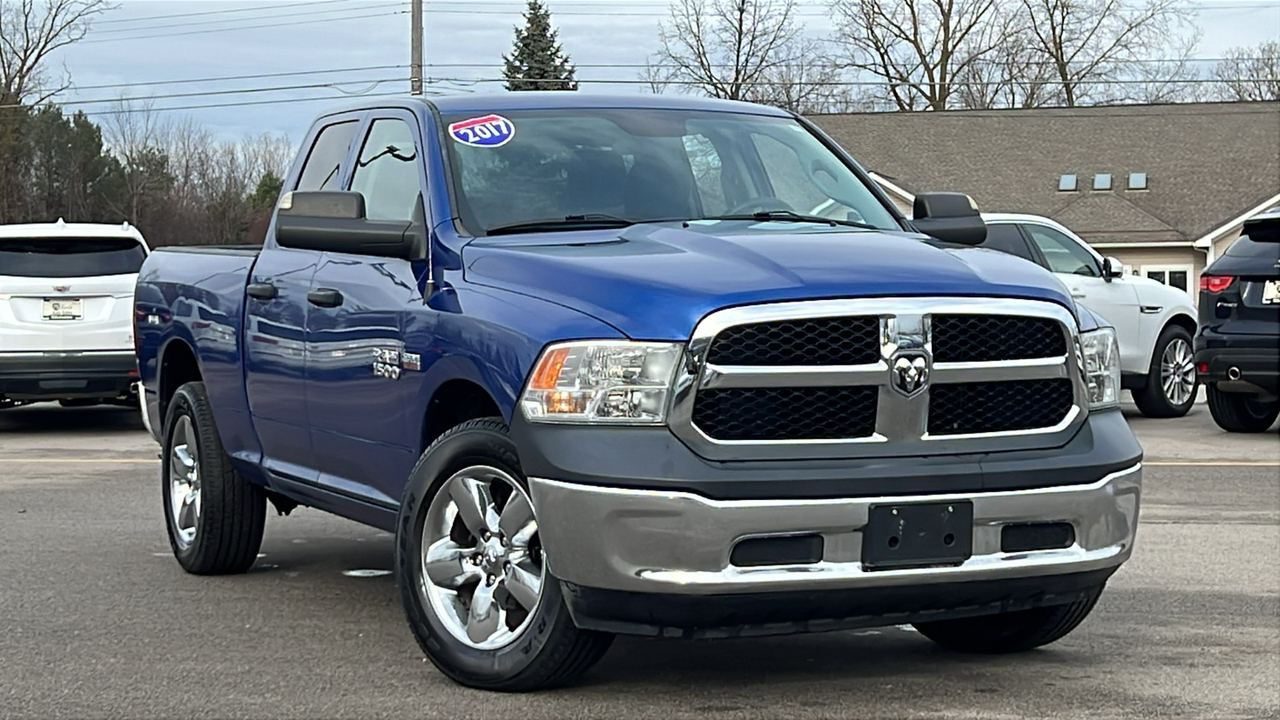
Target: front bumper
<point x="659" y="562"/>
<point x="67" y="375"/>
<point x="680" y="543"/>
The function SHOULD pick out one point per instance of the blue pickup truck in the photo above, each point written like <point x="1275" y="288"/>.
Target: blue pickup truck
<point x="647" y="365"/>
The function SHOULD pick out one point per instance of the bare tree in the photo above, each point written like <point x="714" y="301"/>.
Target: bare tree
<point x="29" y="31"/>
<point x="1249" y="73"/>
<point x="725" y="48"/>
<point x="137" y="136"/>
<point x="917" y="47"/>
<point x="1090" y="43"/>
<point x="805" y="81"/>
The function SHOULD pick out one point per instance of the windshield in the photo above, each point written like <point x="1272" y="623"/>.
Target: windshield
<point x="647" y="165"/>
<point x="70" y="257"/>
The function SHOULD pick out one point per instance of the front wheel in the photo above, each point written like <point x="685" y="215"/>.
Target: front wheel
<point x="472" y="574"/>
<point x="1171" y="380"/>
<point x="1010" y="632"/>
<point x="1240" y="412"/>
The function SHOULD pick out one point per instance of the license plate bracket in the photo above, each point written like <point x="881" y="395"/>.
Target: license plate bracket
<point x="60" y="309"/>
<point x="913" y="535"/>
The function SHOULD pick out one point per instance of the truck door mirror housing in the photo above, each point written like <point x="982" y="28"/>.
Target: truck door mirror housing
<point x="1111" y="268"/>
<point x="335" y="221"/>
<point x="949" y="217"/>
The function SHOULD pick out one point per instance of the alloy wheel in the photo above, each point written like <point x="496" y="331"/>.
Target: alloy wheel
<point x="1177" y="372"/>
<point x="482" y="567"/>
<point x="184" y="482"/>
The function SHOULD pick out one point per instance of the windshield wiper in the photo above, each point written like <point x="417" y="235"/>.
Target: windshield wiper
<point x="587" y="221"/>
<point x="792" y="216"/>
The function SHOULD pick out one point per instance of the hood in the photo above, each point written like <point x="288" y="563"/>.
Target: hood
<point x="655" y="282"/>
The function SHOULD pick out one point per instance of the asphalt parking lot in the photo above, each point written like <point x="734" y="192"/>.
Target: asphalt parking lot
<point x="99" y="621"/>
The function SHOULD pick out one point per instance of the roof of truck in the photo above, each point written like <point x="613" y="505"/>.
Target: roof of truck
<point x="555" y="99"/>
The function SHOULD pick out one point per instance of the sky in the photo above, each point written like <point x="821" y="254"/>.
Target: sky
<point x="178" y="54"/>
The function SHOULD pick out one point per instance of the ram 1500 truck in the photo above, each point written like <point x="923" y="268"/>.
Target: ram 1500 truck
<point x="648" y="365"/>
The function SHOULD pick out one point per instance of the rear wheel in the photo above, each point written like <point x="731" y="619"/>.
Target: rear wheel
<point x="1171" y="380"/>
<point x="215" y="517"/>
<point x="1240" y="412"/>
<point x="1010" y="632"/>
<point x="471" y="571"/>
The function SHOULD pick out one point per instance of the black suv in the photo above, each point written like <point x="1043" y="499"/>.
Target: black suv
<point x="1238" y="346"/>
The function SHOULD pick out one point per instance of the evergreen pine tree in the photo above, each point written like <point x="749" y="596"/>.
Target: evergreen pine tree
<point x="537" y="61"/>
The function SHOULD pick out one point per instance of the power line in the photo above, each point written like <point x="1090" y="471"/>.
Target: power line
<point x="205" y="23"/>
<point x="247" y="27"/>
<point x="860" y="83"/>
<point x="211" y="93"/>
<point x="220" y="12"/>
<point x="258" y="76"/>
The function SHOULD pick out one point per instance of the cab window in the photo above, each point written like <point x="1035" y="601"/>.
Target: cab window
<point x="386" y="173"/>
<point x="323" y="167"/>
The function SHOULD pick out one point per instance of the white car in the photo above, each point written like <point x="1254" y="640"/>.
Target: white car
<point x="66" y="312"/>
<point x="1155" y="323"/>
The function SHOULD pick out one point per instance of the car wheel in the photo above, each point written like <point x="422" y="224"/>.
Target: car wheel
<point x="1010" y="632"/>
<point x="471" y="571"/>
<point x="215" y="517"/>
<point x="1171" y="381"/>
<point x="1240" y="412"/>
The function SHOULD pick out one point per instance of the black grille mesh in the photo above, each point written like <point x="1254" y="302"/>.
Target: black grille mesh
<point x="965" y="408"/>
<point x="798" y="413"/>
<point x="987" y="338"/>
<point x="815" y="341"/>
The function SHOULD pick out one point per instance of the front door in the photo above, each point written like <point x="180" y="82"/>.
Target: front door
<point x="1115" y="300"/>
<point x="363" y="378"/>
<point x="276" y="311"/>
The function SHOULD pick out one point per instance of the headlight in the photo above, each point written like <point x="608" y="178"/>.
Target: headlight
<point x="602" y="381"/>
<point x="1100" y="362"/>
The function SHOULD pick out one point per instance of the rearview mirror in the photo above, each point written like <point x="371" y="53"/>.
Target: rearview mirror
<point x="1112" y="268"/>
<point x="950" y="217"/>
<point x="335" y="221"/>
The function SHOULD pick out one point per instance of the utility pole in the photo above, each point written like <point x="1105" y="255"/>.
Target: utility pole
<point x="415" y="51"/>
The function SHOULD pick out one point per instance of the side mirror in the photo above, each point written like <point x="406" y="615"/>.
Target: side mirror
<point x="950" y="217"/>
<point x="335" y="221"/>
<point x="1112" y="268"/>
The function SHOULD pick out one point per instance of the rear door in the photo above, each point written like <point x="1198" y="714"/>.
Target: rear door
<point x="363" y="375"/>
<point x="276" y="317"/>
<point x="68" y="293"/>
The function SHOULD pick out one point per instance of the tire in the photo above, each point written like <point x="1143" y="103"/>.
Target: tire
<point x="527" y="649"/>
<point x="226" y="513"/>
<point x="1167" y="393"/>
<point x="1010" y="632"/>
<point x="1240" y="412"/>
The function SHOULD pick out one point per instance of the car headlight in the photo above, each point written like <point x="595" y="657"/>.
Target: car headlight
<point x="1100" y="363"/>
<point x="602" y="381"/>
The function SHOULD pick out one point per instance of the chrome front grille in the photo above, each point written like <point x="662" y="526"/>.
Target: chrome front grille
<point x="879" y="377"/>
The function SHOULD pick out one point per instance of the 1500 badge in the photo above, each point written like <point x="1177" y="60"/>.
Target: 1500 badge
<point x="389" y="363"/>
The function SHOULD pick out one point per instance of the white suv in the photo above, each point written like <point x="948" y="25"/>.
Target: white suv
<point x="66" y="312"/>
<point x="1155" y="323"/>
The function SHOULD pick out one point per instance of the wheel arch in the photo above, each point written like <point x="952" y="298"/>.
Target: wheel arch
<point x="179" y="364"/>
<point x="454" y="402"/>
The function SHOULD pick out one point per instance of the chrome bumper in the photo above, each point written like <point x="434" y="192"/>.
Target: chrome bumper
<point x="680" y="543"/>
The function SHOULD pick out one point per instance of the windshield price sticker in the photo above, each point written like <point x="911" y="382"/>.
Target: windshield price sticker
<point x="488" y="131"/>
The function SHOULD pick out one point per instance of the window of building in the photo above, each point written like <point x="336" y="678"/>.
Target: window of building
<point x="1067" y="183"/>
<point x="1102" y="181"/>
<point x="1137" y="181"/>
